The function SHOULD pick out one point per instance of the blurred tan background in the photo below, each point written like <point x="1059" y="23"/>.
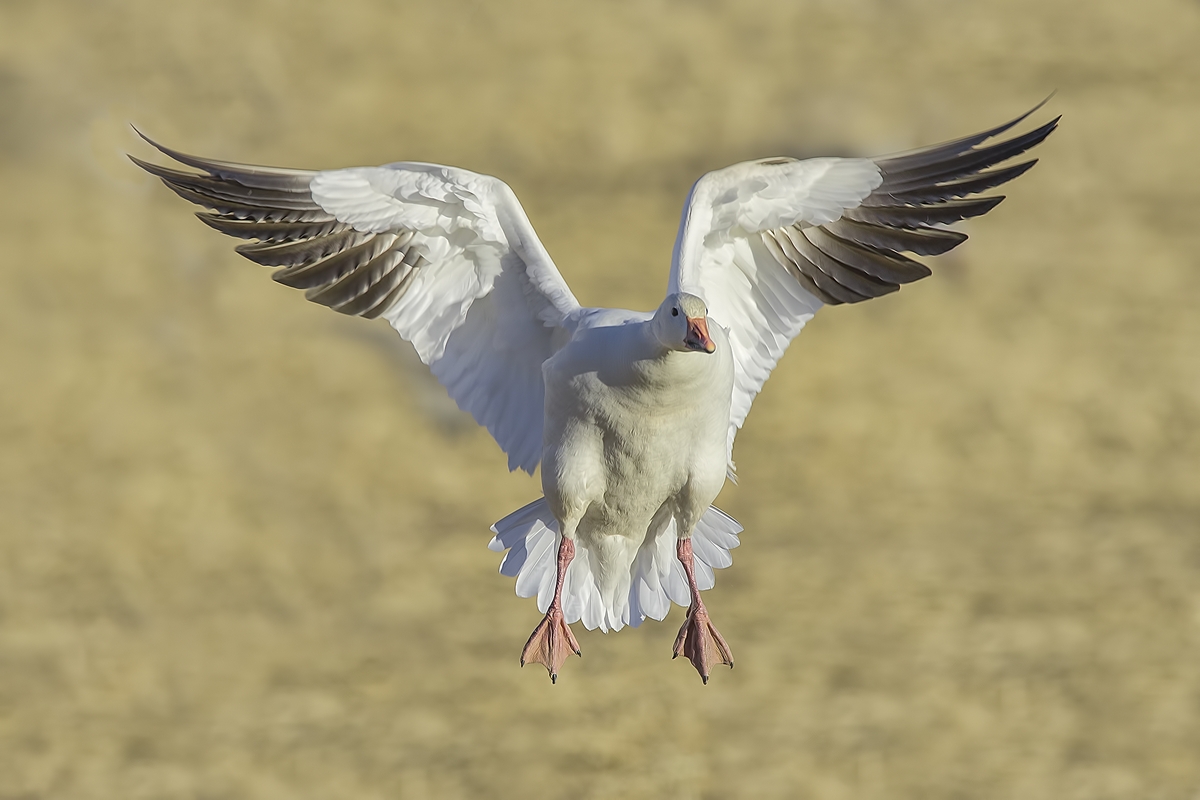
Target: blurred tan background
<point x="243" y="539"/>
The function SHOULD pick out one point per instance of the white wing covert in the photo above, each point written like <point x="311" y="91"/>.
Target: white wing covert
<point x="766" y="243"/>
<point x="445" y="255"/>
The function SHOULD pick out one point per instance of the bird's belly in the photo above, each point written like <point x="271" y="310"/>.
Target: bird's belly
<point x="625" y="455"/>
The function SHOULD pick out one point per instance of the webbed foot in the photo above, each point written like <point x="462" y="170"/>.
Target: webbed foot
<point x="550" y="643"/>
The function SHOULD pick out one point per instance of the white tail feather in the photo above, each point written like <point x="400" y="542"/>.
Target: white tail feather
<point x="655" y="580"/>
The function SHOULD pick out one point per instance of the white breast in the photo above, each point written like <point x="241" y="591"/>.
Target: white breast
<point x="635" y="438"/>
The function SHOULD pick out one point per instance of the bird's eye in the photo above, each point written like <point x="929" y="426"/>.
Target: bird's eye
<point x="674" y="312"/>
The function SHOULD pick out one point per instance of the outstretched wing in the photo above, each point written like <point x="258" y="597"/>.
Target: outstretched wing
<point x="766" y="243"/>
<point x="446" y="256"/>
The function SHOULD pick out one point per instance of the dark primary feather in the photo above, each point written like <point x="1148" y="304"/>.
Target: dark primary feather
<point x="318" y="272"/>
<point x="940" y="192"/>
<point x="916" y="216"/>
<point x="861" y="282"/>
<point x="237" y="209"/>
<point x="354" y="272"/>
<point x="827" y="275"/>
<point x="303" y="251"/>
<point x="266" y="231"/>
<point x="920" y="240"/>
<point x="391" y="284"/>
<point x="899" y="174"/>
<point x="860" y="255"/>
<point x="888" y="266"/>
<point x="224" y="189"/>
<point x="243" y="174"/>
<point x="939" y="152"/>
<point x="771" y="240"/>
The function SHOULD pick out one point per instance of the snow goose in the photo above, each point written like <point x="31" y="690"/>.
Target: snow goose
<point x="632" y="415"/>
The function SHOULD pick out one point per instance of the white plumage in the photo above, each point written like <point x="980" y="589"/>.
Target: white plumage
<point x="530" y="535"/>
<point x="632" y="415"/>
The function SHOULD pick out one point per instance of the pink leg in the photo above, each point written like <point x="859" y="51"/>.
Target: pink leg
<point x="698" y="639"/>
<point x="552" y="641"/>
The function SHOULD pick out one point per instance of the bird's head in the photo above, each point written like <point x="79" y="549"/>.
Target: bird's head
<point x="681" y="323"/>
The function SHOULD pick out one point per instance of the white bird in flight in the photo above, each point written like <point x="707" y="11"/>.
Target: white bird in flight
<point x="632" y="415"/>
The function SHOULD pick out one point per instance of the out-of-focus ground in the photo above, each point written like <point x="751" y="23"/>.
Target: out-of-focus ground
<point x="243" y="539"/>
